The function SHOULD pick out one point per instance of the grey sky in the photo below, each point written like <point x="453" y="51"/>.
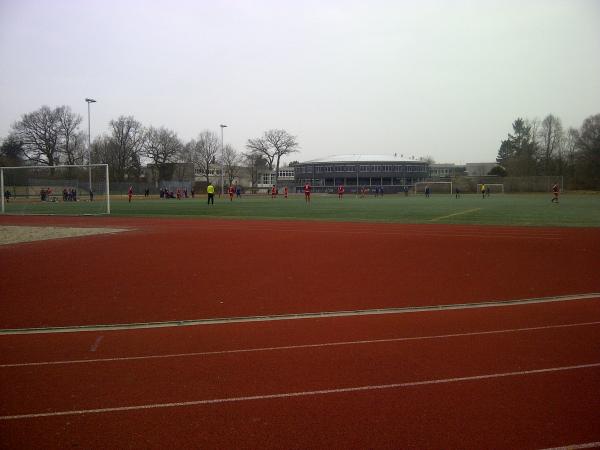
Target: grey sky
<point x="439" y="78"/>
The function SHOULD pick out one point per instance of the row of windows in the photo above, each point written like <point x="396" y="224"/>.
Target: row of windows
<point x="269" y="178"/>
<point x="372" y="181"/>
<point x="363" y="168"/>
<point x="211" y="172"/>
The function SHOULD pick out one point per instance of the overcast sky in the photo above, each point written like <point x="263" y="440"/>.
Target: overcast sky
<point x="438" y="78"/>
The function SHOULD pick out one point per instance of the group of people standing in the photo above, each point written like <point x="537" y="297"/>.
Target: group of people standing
<point x="231" y="191"/>
<point x="275" y="192"/>
<point x="69" y="195"/>
<point x="165" y="193"/>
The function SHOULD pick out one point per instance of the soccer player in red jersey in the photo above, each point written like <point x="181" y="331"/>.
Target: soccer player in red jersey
<point x="231" y="191"/>
<point x="285" y="192"/>
<point x="307" y="189"/>
<point x="273" y="192"/>
<point x="130" y="193"/>
<point x="341" y="191"/>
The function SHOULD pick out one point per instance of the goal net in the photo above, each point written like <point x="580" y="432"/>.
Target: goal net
<point x="435" y="187"/>
<point x="494" y="188"/>
<point x="61" y="190"/>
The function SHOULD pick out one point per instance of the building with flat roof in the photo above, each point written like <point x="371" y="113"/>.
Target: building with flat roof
<point x="392" y="172"/>
<point x="449" y="170"/>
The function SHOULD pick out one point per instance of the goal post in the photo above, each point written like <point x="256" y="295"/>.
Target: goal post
<point x="494" y="188"/>
<point x="59" y="190"/>
<point x="435" y="187"/>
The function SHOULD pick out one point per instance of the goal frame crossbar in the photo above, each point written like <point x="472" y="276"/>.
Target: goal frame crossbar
<point x="44" y="167"/>
<point x="490" y="184"/>
<point x="419" y="183"/>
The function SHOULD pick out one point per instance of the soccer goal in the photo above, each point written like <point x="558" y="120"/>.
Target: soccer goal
<point x="435" y="187"/>
<point x="60" y="190"/>
<point x="494" y="188"/>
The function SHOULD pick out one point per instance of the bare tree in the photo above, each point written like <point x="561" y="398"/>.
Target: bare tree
<point x="104" y="151"/>
<point x="569" y="152"/>
<point x="11" y="151"/>
<point x="550" y="135"/>
<point x="231" y="163"/>
<point x="254" y="162"/>
<point x="77" y="149"/>
<point x="162" y="147"/>
<point x="260" y="146"/>
<point x="71" y="139"/>
<point x="127" y="137"/>
<point x="39" y="132"/>
<point x="283" y="144"/>
<point x="588" y="153"/>
<point x="273" y="145"/>
<point x="203" y="152"/>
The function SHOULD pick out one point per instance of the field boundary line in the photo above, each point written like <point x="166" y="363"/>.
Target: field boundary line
<point x="300" y="346"/>
<point x="296" y="316"/>
<point x="302" y="393"/>
<point x="456" y="214"/>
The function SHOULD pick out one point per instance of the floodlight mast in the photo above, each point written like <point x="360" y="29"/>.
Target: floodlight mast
<point x="90" y="100"/>
<point x="222" y="159"/>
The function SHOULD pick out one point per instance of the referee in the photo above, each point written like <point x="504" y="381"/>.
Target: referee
<point x="210" y="190"/>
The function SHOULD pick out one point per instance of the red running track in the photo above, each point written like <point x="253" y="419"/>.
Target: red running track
<point x="524" y="376"/>
<point x="513" y="377"/>
<point x="166" y="269"/>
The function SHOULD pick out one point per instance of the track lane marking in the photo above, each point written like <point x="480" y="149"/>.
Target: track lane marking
<point x="296" y="316"/>
<point x="297" y="347"/>
<point x="576" y="446"/>
<point x="301" y="393"/>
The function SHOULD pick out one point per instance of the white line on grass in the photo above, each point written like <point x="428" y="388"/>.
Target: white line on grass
<point x="296" y="316"/>
<point x="297" y="347"/>
<point x="299" y="394"/>
<point x="456" y="214"/>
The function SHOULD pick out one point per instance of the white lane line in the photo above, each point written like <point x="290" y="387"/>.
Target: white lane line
<point x="298" y="347"/>
<point x="411" y="230"/>
<point x="408" y="234"/>
<point x="301" y="393"/>
<point x="576" y="446"/>
<point x="296" y="316"/>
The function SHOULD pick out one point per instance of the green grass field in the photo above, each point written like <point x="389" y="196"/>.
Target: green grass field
<point x="574" y="210"/>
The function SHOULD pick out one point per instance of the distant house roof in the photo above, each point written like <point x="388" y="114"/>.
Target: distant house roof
<point x="360" y="158"/>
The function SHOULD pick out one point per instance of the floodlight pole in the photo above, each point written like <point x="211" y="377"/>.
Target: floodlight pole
<point x="222" y="159"/>
<point x="89" y="100"/>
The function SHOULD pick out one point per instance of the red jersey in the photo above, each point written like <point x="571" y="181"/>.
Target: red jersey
<point x="307" y="188"/>
<point x="340" y="189"/>
<point x="231" y="190"/>
<point x="273" y="190"/>
<point x="130" y="192"/>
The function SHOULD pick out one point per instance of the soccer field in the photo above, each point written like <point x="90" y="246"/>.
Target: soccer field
<point x="580" y="210"/>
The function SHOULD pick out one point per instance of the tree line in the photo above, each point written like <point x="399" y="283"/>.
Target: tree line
<point x="53" y="136"/>
<point x="545" y="148"/>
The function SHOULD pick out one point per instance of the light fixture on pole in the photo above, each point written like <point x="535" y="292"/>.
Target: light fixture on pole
<point x="222" y="159"/>
<point x="90" y="100"/>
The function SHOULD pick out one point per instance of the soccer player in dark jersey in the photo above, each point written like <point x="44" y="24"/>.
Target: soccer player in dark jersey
<point x="555" y="193"/>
